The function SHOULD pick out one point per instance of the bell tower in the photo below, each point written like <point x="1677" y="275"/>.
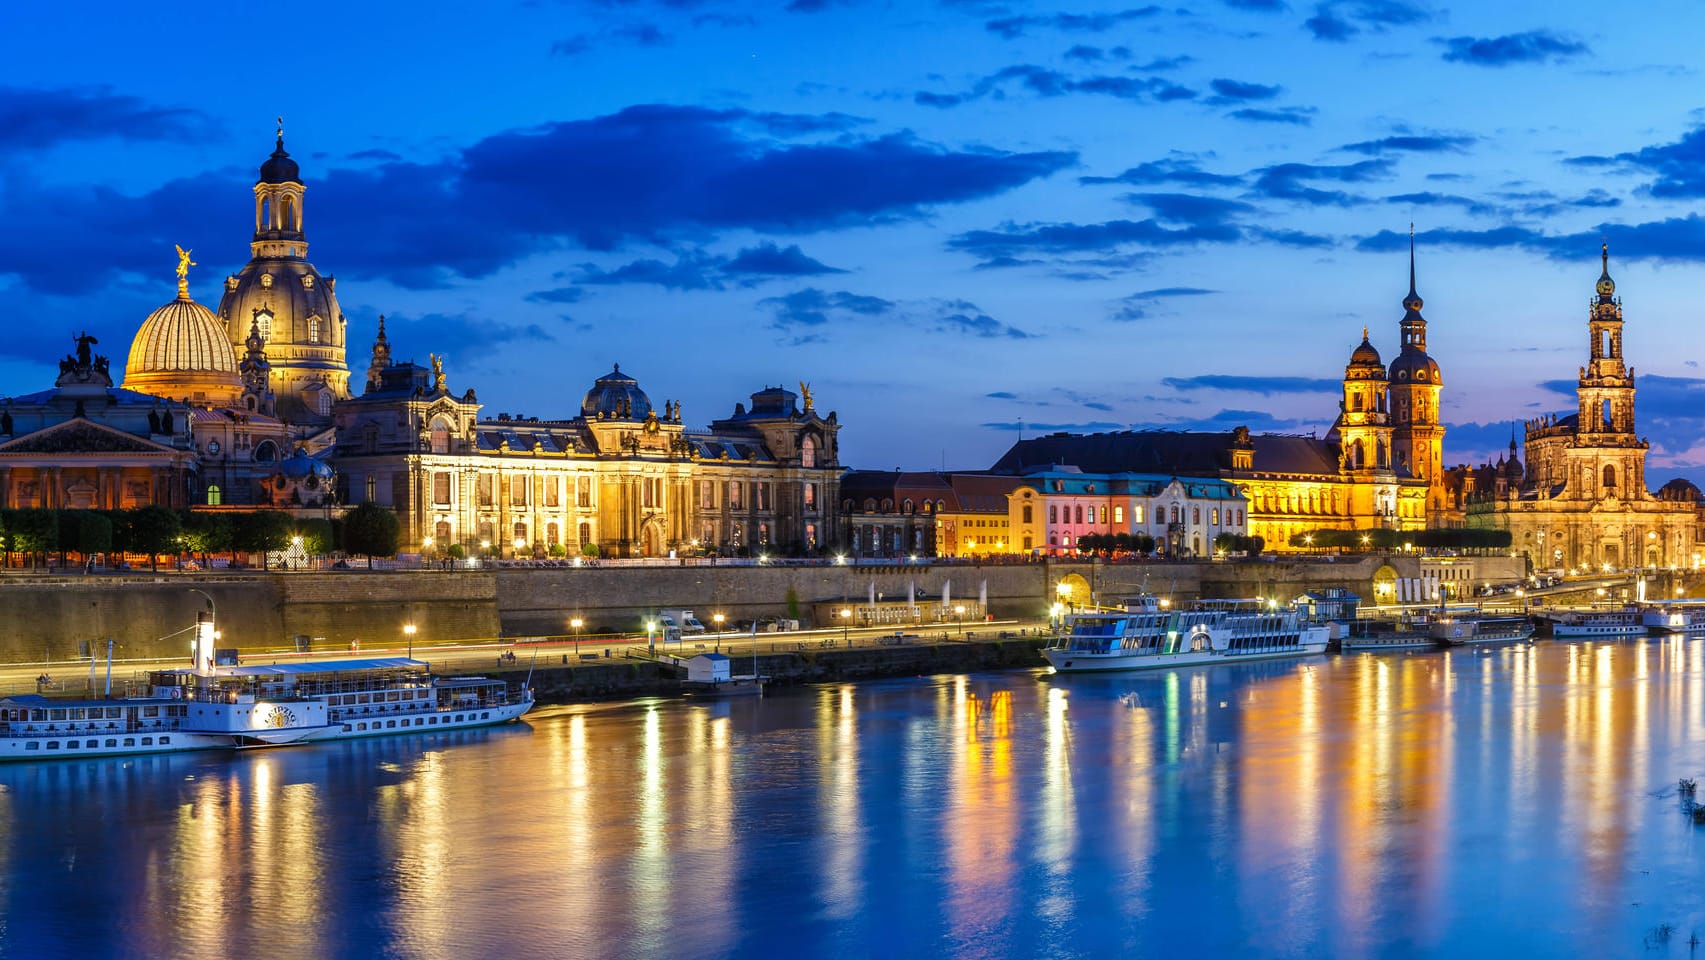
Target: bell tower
<point x="1417" y="436"/>
<point x="278" y="207"/>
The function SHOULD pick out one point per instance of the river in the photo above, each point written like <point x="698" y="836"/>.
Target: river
<point x="1518" y="801"/>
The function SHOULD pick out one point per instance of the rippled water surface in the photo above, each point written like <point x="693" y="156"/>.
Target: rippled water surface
<point x="1520" y="801"/>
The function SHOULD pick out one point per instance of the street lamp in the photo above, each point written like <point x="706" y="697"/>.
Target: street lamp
<point x="1064" y="589"/>
<point x="650" y="637"/>
<point x="716" y="621"/>
<point x="575" y="625"/>
<point x="408" y="631"/>
<point x="846" y="621"/>
<point x="959" y="613"/>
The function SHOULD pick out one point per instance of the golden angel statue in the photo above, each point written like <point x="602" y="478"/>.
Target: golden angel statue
<point x="805" y="391"/>
<point x="184" y="262"/>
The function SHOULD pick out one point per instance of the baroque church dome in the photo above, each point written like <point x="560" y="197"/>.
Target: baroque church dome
<point x="615" y="396"/>
<point x="181" y="352"/>
<point x="282" y="295"/>
<point x="1364" y="361"/>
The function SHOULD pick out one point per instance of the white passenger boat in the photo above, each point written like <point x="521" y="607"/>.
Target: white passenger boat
<point x="1145" y="636"/>
<point x="236" y="707"/>
<point x="1663" y="620"/>
<point x="1474" y="630"/>
<point x="1599" y="623"/>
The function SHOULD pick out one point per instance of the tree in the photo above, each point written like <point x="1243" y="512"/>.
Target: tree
<point x="456" y="551"/>
<point x="153" y="530"/>
<point x="206" y="533"/>
<point x="263" y="531"/>
<point x="792" y="604"/>
<point x="35" y="532"/>
<point x="589" y="549"/>
<point x="371" y="530"/>
<point x="316" y="536"/>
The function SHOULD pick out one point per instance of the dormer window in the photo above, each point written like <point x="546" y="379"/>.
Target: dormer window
<point x="313" y="329"/>
<point x="263" y="320"/>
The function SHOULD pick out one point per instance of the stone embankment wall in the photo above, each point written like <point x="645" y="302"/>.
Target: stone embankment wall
<point x="47" y="617"/>
<point x="621" y="679"/>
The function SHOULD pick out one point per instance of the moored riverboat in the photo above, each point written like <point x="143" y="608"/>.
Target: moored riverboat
<point x="1147" y="636"/>
<point x="239" y="707"/>
<point x="1674" y="619"/>
<point x="1478" y="631"/>
<point x="1591" y="624"/>
<point x="1375" y="636"/>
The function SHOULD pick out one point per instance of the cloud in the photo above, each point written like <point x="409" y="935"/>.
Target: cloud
<point x="1172" y="170"/>
<point x="635" y="34"/>
<point x="1534" y="46"/>
<point x="1191" y="208"/>
<point x="1265" y="386"/>
<point x="768" y="259"/>
<point x="1044" y="82"/>
<point x="1430" y="199"/>
<point x="1289" y="181"/>
<point x="1234" y="91"/>
<point x="1089" y="54"/>
<point x="1091" y="426"/>
<point x="462" y="336"/>
<point x="1413" y="144"/>
<point x="1676" y="240"/>
<point x="1259" y="6"/>
<point x="965" y="318"/>
<point x="1260" y="421"/>
<point x="1339" y="20"/>
<point x="698" y="270"/>
<point x="1001" y="395"/>
<point x="557" y="295"/>
<point x="1297" y="116"/>
<point x="1679" y="167"/>
<point x="812" y="307"/>
<point x="648" y="174"/>
<point x="1013" y="27"/>
<point x="1134" y="307"/>
<point x="37" y="119"/>
<point x="1075" y="237"/>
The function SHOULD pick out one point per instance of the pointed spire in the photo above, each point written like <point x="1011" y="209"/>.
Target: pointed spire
<point x="1412" y="303"/>
<point x="1606" y="286"/>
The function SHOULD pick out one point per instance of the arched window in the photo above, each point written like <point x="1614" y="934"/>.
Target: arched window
<point x="1356" y="402"/>
<point x="313" y="329"/>
<point x="1380" y="447"/>
<point x="215" y="496"/>
<point x="1080" y="513"/>
<point x="1026" y="513"/>
<point x="808" y="452"/>
<point x="287" y="208"/>
<point x="1609" y="477"/>
<point x="1195" y="514"/>
<point x="870" y="505"/>
<point x="1356" y="455"/>
<point x="440" y="435"/>
<point x="906" y="506"/>
<point x="266" y="452"/>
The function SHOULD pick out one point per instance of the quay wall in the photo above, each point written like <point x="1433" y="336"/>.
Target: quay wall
<point x="46" y="617"/>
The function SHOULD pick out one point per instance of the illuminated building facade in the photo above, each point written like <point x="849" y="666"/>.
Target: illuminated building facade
<point x="1582" y="501"/>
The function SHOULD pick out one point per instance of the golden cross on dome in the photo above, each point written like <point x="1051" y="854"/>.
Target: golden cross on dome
<point x="1364" y="333"/>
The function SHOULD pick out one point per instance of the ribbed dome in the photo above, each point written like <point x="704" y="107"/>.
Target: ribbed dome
<point x="616" y="396"/>
<point x="182" y="351"/>
<point x="1365" y="355"/>
<point x="1416" y="366"/>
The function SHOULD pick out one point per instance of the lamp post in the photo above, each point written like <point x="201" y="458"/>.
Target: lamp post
<point x="716" y="621"/>
<point x="575" y="625"/>
<point x="1064" y="590"/>
<point x="408" y="631"/>
<point x="959" y="614"/>
<point x="846" y="622"/>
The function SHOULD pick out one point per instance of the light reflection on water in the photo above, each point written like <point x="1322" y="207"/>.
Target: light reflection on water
<point x="1464" y="803"/>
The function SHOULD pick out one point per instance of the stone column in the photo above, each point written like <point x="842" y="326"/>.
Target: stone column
<point x="52" y="494"/>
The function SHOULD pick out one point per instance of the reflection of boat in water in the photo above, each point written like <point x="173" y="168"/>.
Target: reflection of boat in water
<point x="1145" y="636"/>
<point x="257" y="706"/>
<point x="1472" y="630"/>
<point x="1626" y="622"/>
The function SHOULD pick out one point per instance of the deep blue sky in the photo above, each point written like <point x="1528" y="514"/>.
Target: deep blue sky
<point x="951" y="217"/>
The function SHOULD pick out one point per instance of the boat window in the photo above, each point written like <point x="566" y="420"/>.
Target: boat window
<point x="435" y="721"/>
<point x="53" y="744"/>
<point x="148" y="741"/>
<point x="391" y="724"/>
<point x="150" y="711"/>
<point x="130" y="741"/>
<point x="458" y="718"/>
<point x="165" y="739"/>
<point x="361" y="726"/>
<point x="346" y="728"/>
<point x="92" y="744"/>
<point x="485" y="716"/>
<point x="113" y="713"/>
<point x="112" y="743"/>
<point x="364" y="698"/>
<point x="32" y="745"/>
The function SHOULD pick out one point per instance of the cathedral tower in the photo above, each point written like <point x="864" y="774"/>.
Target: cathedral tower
<point x="281" y="296"/>
<point x="1608" y="458"/>
<point x="1417" y="436"/>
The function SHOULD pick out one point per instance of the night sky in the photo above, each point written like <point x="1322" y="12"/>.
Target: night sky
<point x="957" y="220"/>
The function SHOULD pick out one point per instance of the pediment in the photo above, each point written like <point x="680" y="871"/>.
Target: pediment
<point x="81" y="436"/>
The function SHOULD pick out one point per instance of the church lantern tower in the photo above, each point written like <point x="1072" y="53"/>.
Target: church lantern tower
<point x="1364" y="423"/>
<point x="1609" y="458"/>
<point x="1417" y="436"/>
<point x="283" y="298"/>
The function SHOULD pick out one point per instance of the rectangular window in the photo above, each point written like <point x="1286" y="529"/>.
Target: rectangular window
<point x="1091" y="514"/>
<point x="1053" y="513"/>
<point x="707" y="495"/>
<point x="372" y="488"/>
<point x="811" y="535"/>
<point x="583" y="491"/>
<point x="552" y="489"/>
<point x="761" y="496"/>
<point x="518" y="490"/>
<point x="1216" y="517"/>
<point x="651" y="491"/>
<point x="486" y="486"/>
<point x="734" y="488"/>
<point x="1118" y="514"/>
<point x="441" y="489"/>
<point x="811" y="500"/>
